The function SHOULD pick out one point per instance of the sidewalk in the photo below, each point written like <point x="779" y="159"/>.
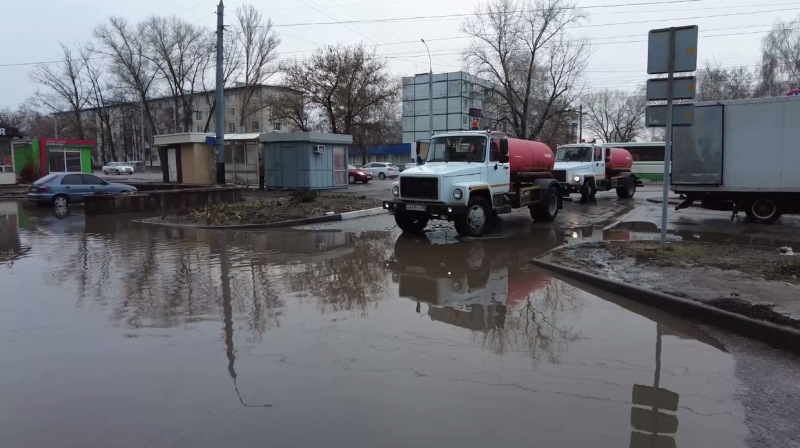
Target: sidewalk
<point x="760" y="283"/>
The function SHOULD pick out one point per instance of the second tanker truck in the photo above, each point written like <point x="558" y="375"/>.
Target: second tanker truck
<point x="471" y="176"/>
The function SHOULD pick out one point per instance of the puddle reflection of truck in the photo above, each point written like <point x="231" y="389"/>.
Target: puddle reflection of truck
<point x="470" y="177"/>
<point x="744" y="152"/>
<point x="470" y="284"/>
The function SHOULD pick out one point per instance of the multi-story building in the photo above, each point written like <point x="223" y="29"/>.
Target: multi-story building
<point x="459" y="99"/>
<point x="129" y="125"/>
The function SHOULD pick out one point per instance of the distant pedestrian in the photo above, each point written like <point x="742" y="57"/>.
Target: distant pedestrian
<point x="260" y="173"/>
<point x="420" y="160"/>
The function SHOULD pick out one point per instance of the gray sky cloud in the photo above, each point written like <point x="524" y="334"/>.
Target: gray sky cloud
<point x="730" y="31"/>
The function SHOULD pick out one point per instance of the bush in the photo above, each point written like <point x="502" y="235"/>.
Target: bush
<point x="29" y="172"/>
<point x="304" y="196"/>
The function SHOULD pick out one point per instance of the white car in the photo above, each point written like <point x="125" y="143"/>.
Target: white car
<point x="382" y="170"/>
<point x="117" y="168"/>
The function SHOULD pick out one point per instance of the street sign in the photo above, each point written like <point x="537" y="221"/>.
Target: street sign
<point x="683" y="88"/>
<point x="654" y="422"/>
<point x="655" y="397"/>
<point x="658" y="50"/>
<point x="682" y="115"/>
<point x="640" y="440"/>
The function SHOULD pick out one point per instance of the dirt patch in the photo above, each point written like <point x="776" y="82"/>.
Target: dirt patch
<point x="758" y="282"/>
<point x="269" y="211"/>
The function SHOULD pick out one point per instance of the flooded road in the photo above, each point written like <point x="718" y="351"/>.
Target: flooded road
<point x="119" y="334"/>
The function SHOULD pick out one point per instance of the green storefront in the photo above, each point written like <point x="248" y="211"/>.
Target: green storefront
<point x="55" y="155"/>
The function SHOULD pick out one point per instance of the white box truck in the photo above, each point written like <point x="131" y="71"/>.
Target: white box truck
<point x="746" y="152"/>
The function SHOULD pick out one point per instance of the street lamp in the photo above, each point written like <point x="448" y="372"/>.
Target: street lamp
<point x="430" y="88"/>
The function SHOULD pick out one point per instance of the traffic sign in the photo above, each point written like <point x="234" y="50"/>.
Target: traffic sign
<point x="658" y="50"/>
<point x="655" y="396"/>
<point x="683" y="88"/>
<point x="656" y="116"/>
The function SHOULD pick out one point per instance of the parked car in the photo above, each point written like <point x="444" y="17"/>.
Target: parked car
<point x="61" y="189"/>
<point x="358" y="175"/>
<point x="382" y="170"/>
<point x="409" y="165"/>
<point x="118" y="168"/>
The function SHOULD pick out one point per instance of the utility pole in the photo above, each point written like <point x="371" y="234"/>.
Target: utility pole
<point x="220" y="140"/>
<point x="430" y="88"/>
<point x="55" y="125"/>
<point x="580" y="123"/>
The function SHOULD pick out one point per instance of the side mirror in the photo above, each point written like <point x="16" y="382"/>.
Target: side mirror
<point x="504" y="147"/>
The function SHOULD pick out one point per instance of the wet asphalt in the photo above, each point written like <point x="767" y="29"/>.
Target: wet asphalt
<point x="120" y="334"/>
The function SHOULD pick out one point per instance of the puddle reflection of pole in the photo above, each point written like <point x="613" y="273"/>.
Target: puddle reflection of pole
<point x="227" y="321"/>
<point x="658" y="429"/>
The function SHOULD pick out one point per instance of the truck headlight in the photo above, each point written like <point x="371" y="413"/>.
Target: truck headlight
<point x="396" y="190"/>
<point x="577" y="178"/>
<point x="457" y="193"/>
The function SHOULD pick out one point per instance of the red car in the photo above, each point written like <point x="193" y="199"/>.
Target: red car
<point x="358" y="175"/>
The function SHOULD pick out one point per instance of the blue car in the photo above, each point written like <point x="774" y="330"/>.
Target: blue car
<point x="61" y="189"/>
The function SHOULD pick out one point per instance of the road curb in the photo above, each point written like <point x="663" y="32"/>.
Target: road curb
<point x="779" y="336"/>
<point x="670" y="201"/>
<point x="274" y="225"/>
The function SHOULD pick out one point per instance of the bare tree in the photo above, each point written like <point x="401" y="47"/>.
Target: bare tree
<point x="523" y="47"/>
<point x="178" y="51"/>
<point x="345" y="83"/>
<point x="126" y="46"/>
<point x="615" y="115"/>
<point x="294" y="108"/>
<point x="99" y="99"/>
<point x="257" y="44"/>
<point x="780" y="59"/>
<point x="65" y="88"/>
<point x="718" y="83"/>
<point x="231" y="67"/>
<point x="30" y="121"/>
<point x="380" y="125"/>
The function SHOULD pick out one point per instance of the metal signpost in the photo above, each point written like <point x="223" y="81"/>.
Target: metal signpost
<point x="670" y="51"/>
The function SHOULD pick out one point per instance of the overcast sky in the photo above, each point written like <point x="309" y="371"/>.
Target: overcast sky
<point x="730" y="31"/>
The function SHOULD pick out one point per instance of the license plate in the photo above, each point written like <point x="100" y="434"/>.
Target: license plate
<point x="415" y="208"/>
<point x="415" y="270"/>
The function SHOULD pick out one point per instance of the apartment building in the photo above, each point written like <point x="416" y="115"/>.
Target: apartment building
<point x="131" y="134"/>
<point x="459" y="99"/>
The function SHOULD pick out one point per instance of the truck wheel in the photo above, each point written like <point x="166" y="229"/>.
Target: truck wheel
<point x="763" y="211"/>
<point x="586" y="191"/>
<point x="548" y="210"/>
<point x="411" y="222"/>
<point x="627" y="191"/>
<point x="473" y="222"/>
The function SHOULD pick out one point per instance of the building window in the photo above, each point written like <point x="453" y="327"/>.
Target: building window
<point x="277" y="126"/>
<point x="198" y="115"/>
<point x="255" y="125"/>
<point x="232" y="97"/>
<point x="232" y="112"/>
<point x="6" y="159"/>
<point x="465" y="120"/>
<point x="231" y="127"/>
<point x="199" y="129"/>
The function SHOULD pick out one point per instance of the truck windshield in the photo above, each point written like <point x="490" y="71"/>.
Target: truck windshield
<point x="467" y="148"/>
<point x="580" y="154"/>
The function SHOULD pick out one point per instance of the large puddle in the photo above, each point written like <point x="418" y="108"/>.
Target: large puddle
<point x="126" y="335"/>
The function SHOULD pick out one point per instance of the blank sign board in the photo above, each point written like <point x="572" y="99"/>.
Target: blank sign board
<point x="683" y="88"/>
<point x="685" y="50"/>
<point x="656" y="116"/>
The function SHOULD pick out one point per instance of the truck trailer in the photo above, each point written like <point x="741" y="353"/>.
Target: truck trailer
<point x="470" y="177"/>
<point x="745" y="152"/>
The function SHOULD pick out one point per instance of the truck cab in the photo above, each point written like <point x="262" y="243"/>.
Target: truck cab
<point x="468" y="178"/>
<point x="586" y="168"/>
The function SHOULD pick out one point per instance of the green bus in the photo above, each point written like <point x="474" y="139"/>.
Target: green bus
<point x="648" y="158"/>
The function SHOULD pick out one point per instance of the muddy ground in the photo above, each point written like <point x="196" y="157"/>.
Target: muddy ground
<point x="269" y="211"/>
<point x="759" y="282"/>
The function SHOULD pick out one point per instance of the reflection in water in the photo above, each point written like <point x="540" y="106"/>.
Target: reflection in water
<point x="11" y="248"/>
<point x="212" y="322"/>
<point x="491" y="288"/>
